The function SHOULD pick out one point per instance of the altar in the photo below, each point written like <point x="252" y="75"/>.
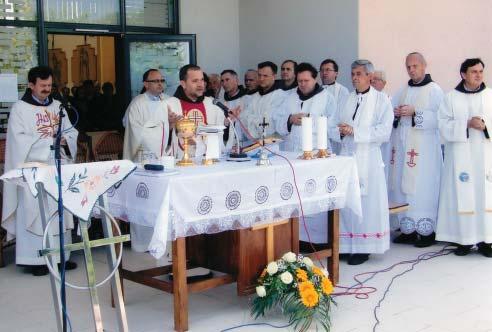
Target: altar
<point x="231" y="217"/>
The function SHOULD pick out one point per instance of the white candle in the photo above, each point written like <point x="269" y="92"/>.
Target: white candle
<point x="322" y="132"/>
<point x="307" y="134"/>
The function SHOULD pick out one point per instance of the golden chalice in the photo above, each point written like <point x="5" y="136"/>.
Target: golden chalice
<point x="186" y="130"/>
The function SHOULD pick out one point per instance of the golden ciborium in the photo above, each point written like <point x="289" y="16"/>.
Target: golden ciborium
<point x="186" y="130"/>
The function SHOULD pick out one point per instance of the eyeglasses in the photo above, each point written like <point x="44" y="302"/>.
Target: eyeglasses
<point x="156" y="81"/>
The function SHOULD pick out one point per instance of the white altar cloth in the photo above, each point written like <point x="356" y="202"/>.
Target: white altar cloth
<point x="82" y="184"/>
<point x="232" y="195"/>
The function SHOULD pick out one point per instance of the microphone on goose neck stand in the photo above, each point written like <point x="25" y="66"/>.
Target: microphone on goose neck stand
<point x="225" y="109"/>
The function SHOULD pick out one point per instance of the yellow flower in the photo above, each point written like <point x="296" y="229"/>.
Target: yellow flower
<point x="309" y="298"/>
<point x="326" y="286"/>
<point x="301" y="275"/>
<point x="305" y="286"/>
<point x="318" y="271"/>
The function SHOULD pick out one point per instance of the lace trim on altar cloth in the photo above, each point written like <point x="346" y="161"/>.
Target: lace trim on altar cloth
<point x="181" y="228"/>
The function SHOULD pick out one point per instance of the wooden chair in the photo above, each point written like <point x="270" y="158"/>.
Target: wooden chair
<point x="83" y="155"/>
<point x="109" y="147"/>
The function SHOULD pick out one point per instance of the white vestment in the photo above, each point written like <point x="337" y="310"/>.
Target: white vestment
<point x="262" y="107"/>
<point x="162" y="96"/>
<point x="466" y="217"/>
<point x="340" y="93"/>
<point x="387" y="154"/>
<point x="372" y="126"/>
<point x="235" y="133"/>
<point x="29" y="137"/>
<point x="214" y="116"/>
<point x="425" y="161"/>
<point x="321" y="104"/>
<point x="147" y="126"/>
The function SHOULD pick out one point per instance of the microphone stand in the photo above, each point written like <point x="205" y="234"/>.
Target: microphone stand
<point x="61" y="228"/>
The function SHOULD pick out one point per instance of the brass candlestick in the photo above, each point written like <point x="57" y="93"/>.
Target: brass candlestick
<point x="322" y="153"/>
<point x="307" y="155"/>
<point x="186" y="130"/>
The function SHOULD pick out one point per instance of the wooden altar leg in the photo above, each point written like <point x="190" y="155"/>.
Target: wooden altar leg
<point x="295" y="235"/>
<point x="334" y="240"/>
<point x="270" y="243"/>
<point x="180" y="287"/>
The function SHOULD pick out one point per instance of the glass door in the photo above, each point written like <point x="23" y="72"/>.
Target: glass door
<point x="166" y="53"/>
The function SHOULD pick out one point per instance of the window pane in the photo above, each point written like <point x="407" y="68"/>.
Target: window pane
<point x="168" y="57"/>
<point x="24" y="10"/>
<point x="19" y="50"/>
<point x="82" y="11"/>
<point x="149" y="13"/>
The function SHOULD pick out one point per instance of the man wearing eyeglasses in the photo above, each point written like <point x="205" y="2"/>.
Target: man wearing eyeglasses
<point x="328" y="72"/>
<point x="147" y="127"/>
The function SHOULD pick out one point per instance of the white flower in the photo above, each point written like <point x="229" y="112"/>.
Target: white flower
<point x="286" y="277"/>
<point x="289" y="257"/>
<point x="325" y="272"/>
<point x="261" y="291"/>
<point x="307" y="261"/>
<point x="272" y="268"/>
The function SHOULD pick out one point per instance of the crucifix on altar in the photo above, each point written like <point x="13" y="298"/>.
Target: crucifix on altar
<point x="263" y="158"/>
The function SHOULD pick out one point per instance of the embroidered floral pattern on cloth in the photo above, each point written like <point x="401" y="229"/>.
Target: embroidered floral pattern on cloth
<point x="82" y="184"/>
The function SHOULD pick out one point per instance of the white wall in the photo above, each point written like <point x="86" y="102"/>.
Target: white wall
<point x="309" y="30"/>
<point x="215" y="23"/>
<point x="445" y="31"/>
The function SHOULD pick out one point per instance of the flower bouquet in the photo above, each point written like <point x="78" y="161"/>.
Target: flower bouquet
<point x="301" y="289"/>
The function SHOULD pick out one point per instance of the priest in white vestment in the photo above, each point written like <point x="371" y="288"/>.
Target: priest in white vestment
<point x="145" y="79"/>
<point x="147" y="130"/>
<point x="310" y="99"/>
<point x="233" y="100"/>
<point x="361" y="127"/>
<point x="378" y="82"/>
<point x="251" y="86"/>
<point x="288" y="76"/>
<point x="328" y="70"/>
<point x="32" y="125"/>
<point x="263" y="103"/>
<point x="189" y="101"/>
<point x="416" y="155"/>
<point x="465" y="123"/>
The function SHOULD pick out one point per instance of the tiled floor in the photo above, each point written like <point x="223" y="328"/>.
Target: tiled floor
<point x="446" y="294"/>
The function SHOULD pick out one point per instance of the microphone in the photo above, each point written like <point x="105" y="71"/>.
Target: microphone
<point x="223" y="107"/>
<point x="65" y="104"/>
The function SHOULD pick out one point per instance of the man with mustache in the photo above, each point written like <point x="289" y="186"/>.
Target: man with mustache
<point x="32" y="127"/>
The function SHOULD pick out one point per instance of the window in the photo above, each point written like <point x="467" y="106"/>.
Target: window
<point x="149" y="13"/>
<point x="82" y="11"/>
<point x="24" y="10"/>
